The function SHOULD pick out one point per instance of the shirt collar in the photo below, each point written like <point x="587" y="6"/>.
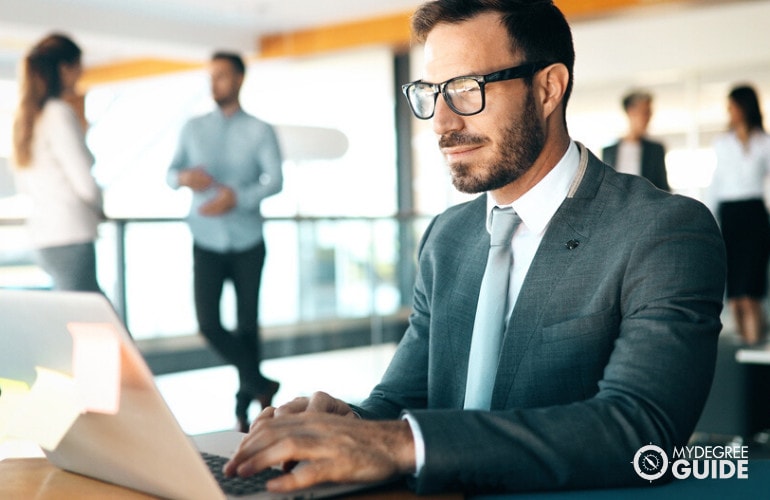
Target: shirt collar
<point x="537" y="206"/>
<point x="219" y="114"/>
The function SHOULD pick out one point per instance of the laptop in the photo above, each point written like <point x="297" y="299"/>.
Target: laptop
<point x="138" y="444"/>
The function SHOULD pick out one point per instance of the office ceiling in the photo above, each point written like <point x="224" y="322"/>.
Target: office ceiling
<point x="111" y="30"/>
<point x="114" y="29"/>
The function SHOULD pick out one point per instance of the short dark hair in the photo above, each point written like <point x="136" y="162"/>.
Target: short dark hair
<point x="745" y="97"/>
<point x="634" y="97"/>
<point x="235" y="59"/>
<point x="536" y="28"/>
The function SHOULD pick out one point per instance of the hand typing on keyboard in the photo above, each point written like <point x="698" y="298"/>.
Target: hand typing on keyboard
<point x="326" y="440"/>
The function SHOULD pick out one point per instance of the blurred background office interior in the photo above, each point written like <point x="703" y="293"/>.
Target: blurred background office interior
<point x="362" y="178"/>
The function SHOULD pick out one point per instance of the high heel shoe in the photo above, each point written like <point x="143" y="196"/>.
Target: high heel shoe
<point x="265" y="398"/>
<point x="242" y="403"/>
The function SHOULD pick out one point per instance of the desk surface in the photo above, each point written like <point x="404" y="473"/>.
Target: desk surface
<point x="37" y="478"/>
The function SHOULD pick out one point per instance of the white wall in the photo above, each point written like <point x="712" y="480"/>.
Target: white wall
<point x="665" y="43"/>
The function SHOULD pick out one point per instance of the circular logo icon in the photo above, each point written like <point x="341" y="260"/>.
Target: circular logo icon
<point x="650" y="462"/>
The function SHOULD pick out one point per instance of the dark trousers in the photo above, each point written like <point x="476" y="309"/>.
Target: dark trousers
<point x="241" y="347"/>
<point x="72" y="267"/>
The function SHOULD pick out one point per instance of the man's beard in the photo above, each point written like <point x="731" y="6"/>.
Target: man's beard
<point x="522" y="144"/>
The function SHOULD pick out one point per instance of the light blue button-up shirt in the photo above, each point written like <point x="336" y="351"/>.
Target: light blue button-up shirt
<point x="240" y="152"/>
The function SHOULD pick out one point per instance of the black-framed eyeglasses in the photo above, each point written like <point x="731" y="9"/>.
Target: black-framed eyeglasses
<point x="463" y="94"/>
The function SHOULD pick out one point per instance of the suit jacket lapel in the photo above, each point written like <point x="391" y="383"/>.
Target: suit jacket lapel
<point x="567" y="233"/>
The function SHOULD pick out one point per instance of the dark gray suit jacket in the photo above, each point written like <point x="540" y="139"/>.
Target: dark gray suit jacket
<point x="611" y="345"/>
<point x="653" y="161"/>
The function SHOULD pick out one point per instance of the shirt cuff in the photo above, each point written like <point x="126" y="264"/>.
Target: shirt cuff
<point x="419" y="442"/>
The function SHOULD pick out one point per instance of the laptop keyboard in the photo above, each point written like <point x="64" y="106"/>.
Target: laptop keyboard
<point x="238" y="486"/>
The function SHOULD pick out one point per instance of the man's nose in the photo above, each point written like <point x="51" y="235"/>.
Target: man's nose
<point x="444" y="119"/>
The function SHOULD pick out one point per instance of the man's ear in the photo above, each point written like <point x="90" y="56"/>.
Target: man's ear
<point x="552" y="82"/>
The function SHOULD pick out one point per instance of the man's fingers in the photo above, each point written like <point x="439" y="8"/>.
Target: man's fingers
<point x="255" y="455"/>
<point x="268" y="412"/>
<point x="304" y="475"/>
<point x="222" y="202"/>
<point x="321" y="402"/>
<point x="297" y="405"/>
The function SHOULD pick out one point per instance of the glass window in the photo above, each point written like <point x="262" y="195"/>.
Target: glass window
<point x="334" y="117"/>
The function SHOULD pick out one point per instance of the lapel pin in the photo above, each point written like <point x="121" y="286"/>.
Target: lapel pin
<point x="572" y="244"/>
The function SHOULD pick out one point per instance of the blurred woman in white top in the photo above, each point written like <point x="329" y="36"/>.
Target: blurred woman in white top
<point x="53" y="165"/>
<point x="737" y="191"/>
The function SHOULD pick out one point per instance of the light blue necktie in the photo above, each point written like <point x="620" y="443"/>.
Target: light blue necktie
<point x="491" y="309"/>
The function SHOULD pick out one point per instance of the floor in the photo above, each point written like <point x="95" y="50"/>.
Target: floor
<point x="204" y="400"/>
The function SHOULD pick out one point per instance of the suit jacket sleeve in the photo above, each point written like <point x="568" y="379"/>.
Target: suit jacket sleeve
<point x="618" y="352"/>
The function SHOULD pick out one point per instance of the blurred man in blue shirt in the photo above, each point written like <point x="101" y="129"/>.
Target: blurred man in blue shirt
<point x="231" y="161"/>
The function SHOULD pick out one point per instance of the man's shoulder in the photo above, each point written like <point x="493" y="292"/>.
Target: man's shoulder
<point x="250" y="124"/>
<point x="199" y="120"/>
<point x="632" y="196"/>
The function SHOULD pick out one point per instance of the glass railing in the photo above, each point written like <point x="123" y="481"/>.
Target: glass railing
<point x="317" y="270"/>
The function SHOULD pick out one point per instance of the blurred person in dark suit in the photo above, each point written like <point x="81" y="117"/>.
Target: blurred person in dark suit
<point x="635" y="153"/>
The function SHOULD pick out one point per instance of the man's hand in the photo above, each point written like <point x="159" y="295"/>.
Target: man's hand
<point x="319" y="402"/>
<point x="327" y="447"/>
<point x="224" y="201"/>
<point x="195" y="178"/>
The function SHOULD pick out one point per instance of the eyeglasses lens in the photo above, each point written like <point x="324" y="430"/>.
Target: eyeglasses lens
<point x="463" y="95"/>
<point x="422" y="97"/>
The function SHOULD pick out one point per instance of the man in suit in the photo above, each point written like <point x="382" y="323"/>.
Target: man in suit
<point x="613" y="305"/>
<point x="635" y="153"/>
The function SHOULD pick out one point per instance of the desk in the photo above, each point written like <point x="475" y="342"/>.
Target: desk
<point x="759" y="355"/>
<point x="23" y="478"/>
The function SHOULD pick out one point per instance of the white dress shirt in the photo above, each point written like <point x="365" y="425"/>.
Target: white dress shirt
<point x="629" y="160"/>
<point x="741" y="170"/>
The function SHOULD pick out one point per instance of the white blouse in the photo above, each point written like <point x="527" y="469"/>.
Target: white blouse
<point x="741" y="170"/>
<point x="66" y="201"/>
